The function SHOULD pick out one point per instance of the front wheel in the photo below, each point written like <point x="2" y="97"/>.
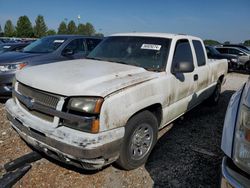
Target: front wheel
<point x="139" y="140"/>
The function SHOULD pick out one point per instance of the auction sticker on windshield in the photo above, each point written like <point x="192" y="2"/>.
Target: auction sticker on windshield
<point x="6" y="47"/>
<point x="58" y="41"/>
<point x="151" y="47"/>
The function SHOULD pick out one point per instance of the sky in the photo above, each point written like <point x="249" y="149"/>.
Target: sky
<point x="222" y="20"/>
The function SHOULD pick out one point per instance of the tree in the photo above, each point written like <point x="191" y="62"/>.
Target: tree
<point x="99" y="35"/>
<point x="51" y="32"/>
<point x="72" y="29"/>
<point x="40" y="28"/>
<point x="1" y="31"/>
<point x="9" y="29"/>
<point x="211" y="42"/>
<point x="81" y="29"/>
<point x="24" y="27"/>
<point x="62" y="28"/>
<point x="90" y="30"/>
<point x="247" y="42"/>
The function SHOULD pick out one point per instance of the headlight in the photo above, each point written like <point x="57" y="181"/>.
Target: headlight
<point x="86" y="104"/>
<point x="242" y="140"/>
<point x="12" y="67"/>
<point x="234" y="60"/>
<point x="88" y="107"/>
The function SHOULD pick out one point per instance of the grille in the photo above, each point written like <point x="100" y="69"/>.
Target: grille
<point x="39" y="96"/>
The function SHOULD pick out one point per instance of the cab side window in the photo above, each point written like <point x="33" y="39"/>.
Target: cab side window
<point x="222" y="50"/>
<point x="182" y="53"/>
<point x="92" y="43"/>
<point x="200" y="54"/>
<point x="76" y="45"/>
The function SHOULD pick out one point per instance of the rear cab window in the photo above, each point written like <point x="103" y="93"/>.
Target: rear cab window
<point x="200" y="54"/>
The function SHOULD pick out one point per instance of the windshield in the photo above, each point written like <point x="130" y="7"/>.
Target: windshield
<point x="147" y="52"/>
<point x="44" y="45"/>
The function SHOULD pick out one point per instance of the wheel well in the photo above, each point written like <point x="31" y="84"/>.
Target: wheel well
<point x="155" y="109"/>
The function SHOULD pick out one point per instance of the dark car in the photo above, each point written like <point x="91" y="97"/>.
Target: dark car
<point x="45" y="50"/>
<point x="212" y="53"/>
<point x="8" y="47"/>
<point x="236" y="140"/>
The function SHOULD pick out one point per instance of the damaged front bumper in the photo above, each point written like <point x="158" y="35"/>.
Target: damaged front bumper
<point x="84" y="150"/>
<point x="232" y="176"/>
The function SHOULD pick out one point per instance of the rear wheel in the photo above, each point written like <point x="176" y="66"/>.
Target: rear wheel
<point x="214" y="98"/>
<point x="247" y="66"/>
<point x="139" y="140"/>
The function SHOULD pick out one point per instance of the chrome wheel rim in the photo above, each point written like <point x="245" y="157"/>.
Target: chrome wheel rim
<point x="141" y="141"/>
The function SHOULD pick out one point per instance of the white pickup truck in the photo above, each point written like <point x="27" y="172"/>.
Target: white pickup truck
<point x="110" y="106"/>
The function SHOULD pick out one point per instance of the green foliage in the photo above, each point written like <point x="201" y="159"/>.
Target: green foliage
<point x="81" y="29"/>
<point x="247" y="42"/>
<point x="211" y="42"/>
<point x="1" y="31"/>
<point x="90" y="30"/>
<point x="72" y="29"/>
<point x="99" y="35"/>
<point x="9" y="29"/>
<point x="24" y="27"/>
<point x="62" y="28"/>
<point x="51" y="32"/>
<point x="40" y="28"/>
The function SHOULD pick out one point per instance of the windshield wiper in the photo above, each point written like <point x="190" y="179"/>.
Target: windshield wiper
<point x="94" y="58"/>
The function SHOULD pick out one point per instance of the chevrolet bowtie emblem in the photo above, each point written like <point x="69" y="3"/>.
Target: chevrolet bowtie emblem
<point x="30" y="103"/>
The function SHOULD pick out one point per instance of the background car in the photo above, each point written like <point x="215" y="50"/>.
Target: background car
<point x="244" y="56"/>
<point x="237" y="46"/>
<point x="236" y="140"/>
<point x="8" y="47"/>
<point x="45" y="50"/>
<point x="212" y="53"/>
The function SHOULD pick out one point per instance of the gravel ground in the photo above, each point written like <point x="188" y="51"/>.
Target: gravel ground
<point x="188" y="155"/>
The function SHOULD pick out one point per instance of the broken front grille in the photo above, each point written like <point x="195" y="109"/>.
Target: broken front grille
<point x="40" y="97"/>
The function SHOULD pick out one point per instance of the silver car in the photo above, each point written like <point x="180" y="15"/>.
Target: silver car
<point x="244" y="55"/>
<point x="236" y="140"/>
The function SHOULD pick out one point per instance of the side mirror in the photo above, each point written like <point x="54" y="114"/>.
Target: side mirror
<point x="241" y="54"/>
<point x="68" y="52"/>
<point x="184" y="67"/>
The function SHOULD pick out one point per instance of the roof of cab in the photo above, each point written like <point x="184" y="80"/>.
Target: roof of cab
<point x="162" y="35"/>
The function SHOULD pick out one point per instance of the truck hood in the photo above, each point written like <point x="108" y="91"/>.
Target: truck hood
<point x="83" y="77"/>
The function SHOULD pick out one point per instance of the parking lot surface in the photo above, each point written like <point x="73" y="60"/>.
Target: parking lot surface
<point x="188" y="155"/>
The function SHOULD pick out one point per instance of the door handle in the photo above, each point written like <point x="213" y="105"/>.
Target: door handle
<point x="196" y="77"/>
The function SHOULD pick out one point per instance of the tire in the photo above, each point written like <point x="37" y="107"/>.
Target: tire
<point x="215" y="97"/>
<point x="138" y="144"/>
<point x="247" y="67"/>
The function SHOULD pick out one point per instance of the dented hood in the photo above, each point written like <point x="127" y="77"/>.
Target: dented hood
<point x="83" y="77"/>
